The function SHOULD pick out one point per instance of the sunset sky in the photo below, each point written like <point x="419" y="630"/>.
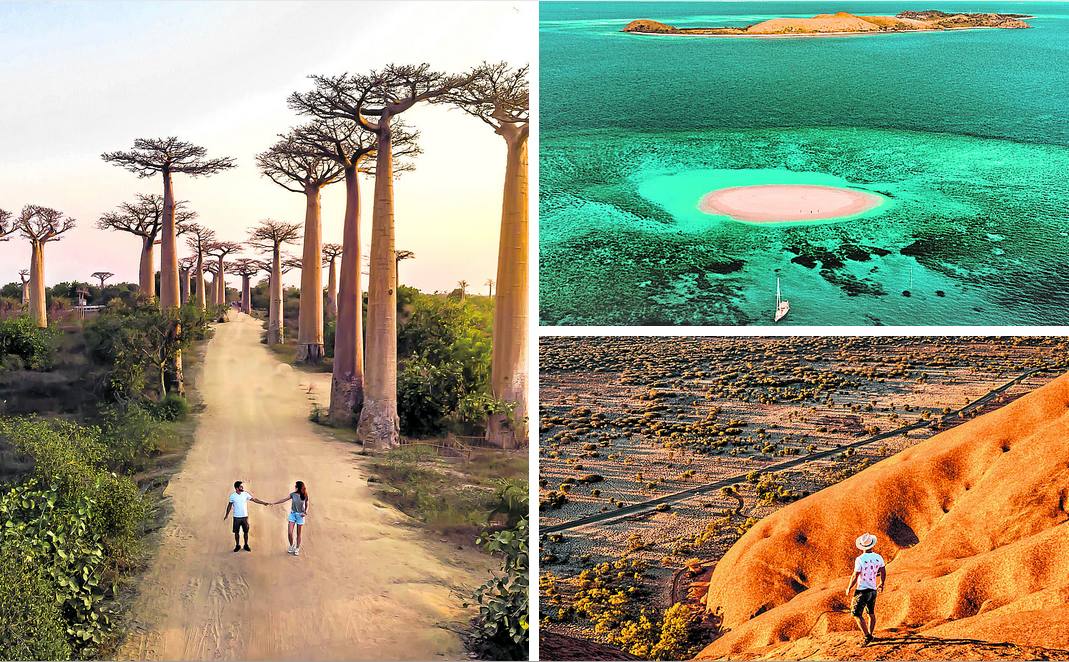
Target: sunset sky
<point x="80" y="79"/>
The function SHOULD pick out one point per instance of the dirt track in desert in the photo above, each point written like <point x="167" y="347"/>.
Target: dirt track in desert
<point x="368" y="584"/>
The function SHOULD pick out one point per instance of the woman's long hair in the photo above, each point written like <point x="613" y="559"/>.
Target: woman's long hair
<point x="302" y="490"/>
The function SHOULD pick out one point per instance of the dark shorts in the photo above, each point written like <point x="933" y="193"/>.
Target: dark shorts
<point x="864" y="600"/>
<point x="241" y="523"/>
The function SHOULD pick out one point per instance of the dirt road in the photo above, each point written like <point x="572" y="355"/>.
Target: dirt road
<point x="368" y="584"/>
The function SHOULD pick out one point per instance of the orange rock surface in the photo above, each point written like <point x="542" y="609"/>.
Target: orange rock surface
<point x="972" y="523"/>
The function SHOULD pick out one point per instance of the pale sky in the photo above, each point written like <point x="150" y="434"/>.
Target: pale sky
<point x="82" y="78"/>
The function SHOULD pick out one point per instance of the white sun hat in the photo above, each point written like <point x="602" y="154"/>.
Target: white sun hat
<point x="865" y="542"/>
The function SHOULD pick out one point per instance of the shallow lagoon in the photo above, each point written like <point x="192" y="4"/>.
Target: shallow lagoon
<point x="976" y="229"/>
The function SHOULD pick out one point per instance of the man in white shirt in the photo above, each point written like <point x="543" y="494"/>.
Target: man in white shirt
<point x="870" y="574"/>
<point x="239" y="501"/>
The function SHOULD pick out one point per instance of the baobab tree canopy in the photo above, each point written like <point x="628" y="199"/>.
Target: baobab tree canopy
<point x="290" y="166"/>
<point x="151" y="156"/>
<point x="270" y="234"/>
<point x="495" y="93"/>
<point x="43" y="224"/>
<point x="6" y="226"/>
<point x="144" y="218"/>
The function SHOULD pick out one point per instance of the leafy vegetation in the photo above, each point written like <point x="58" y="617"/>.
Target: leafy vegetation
<point x="501" y="630"/>
<point x="23" y="345"/>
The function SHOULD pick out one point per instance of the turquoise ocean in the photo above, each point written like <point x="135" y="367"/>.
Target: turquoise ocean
<point x="964" y="133"/>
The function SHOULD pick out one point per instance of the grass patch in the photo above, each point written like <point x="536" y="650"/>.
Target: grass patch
<point x="453" y="495"/>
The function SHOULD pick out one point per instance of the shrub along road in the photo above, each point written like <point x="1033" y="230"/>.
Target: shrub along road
<point x="368" y="583"/>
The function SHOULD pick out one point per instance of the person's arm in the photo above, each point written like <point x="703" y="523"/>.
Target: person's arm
<point x="229" y="505"/>
<point x="883" y="578"/>
<point x="853" y="578"/>
<point x="306" y="502"/>
<point x="255" y="500"/>
<point x="282" y="500"/>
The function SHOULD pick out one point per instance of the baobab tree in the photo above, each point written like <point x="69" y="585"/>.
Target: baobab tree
<point x="144" y="219"/>
<point x="102" y="276"/>
<point x="168" y="156"/>
<point x="330" y="254"/>
<point x="490" y="287"/>
<point x="345" y="143"/>
<point x="40" y="225"/>
<point x="398" y="257"/>
<point x="246" y="267"/>
<point x="24" y="275"/>
<point x="462" y="285"/>
<point x="7" y="228"/>
<point x="185" y="270"/>
<point x="384" y="94"/>
<point x="219" y="250"/>
<point x="199" y="238"/>
<point x="269" y="236"/>
<point x="296" y="170"/>
<point x="498" y="95"/>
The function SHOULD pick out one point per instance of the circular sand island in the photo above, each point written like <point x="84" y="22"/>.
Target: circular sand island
<point x="787" y="203"/>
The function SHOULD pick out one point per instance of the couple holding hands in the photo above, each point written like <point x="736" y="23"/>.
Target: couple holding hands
<point x="239" y="502"/>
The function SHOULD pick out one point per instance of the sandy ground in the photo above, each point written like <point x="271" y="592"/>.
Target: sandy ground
<point x="368" y="584"/>
<point x="787" y="202"/>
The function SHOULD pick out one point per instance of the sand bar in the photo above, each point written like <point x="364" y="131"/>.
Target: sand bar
<point x="777" y="203"/>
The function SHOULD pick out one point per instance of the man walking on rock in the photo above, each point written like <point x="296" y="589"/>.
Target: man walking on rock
<point x="867" y="569"/>
<point x="239" y="501"/>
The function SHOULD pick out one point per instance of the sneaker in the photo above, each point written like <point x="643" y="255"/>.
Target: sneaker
<point x="237" y="548"/>
<point x="290" y="550"/>
<point x="296" y="551"/>
<point x="246" y="547"/>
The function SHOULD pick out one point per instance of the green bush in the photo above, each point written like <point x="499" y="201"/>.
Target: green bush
<point x="31" y="625"/>
<point x="427" y="392"/>
<point x="130" y="435"/>
<point x="173" y="407"/>
<point x="35" y="348"/>
<point x="500" y="631"/>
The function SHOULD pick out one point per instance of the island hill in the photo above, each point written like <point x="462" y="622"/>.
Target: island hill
<point x="843" y="23"/>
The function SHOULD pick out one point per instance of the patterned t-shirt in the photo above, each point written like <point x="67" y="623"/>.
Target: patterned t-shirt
<point x="868" y="568"/>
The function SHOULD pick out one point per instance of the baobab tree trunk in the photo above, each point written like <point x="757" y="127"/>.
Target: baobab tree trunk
<point x="38" y="310"/>
<point x="310" y="318"/>
<point x="246" y="294"/>
<point x="169" y="297"/>
<point x="274" y="308"/>
<point x="146" y="274"/>
<point x="25" y="292"/>
<point x="379" y="425"/>
<point x="347" y="381"/>
<point x="332" y="289"/>
<point x="220" y="285"/>
<point x="508" y="376"/>
<point x="202" y="299"/>
<point x="183" y="290"/>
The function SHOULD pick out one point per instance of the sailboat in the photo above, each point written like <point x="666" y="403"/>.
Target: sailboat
<point x="782" y="307"/>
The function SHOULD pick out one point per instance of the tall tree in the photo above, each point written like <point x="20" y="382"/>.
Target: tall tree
<point x="199" y="238"/>
<point x="40" y="225"/>
<point x="296" y="170"/>
<point x="168" y="156"/>
<point x="498" y="95"/>
<point x="144" y="219"/>
<point x="269" y="236"/>
<point x="219" y="250"/>
<point x="331" y="253"/>
<point x="247" y="268"/>
<point x="400" y="256"/>
<point x="24" y="274"/>
<point x="384" y="94"/>
<point x="462" y="285"/>
<point x="348" y="145"/>
<point x="7" y="227"/>
<point x="490" y="287"/>
<point x="185" y="271"/>
<point x="102" y="276"/>
<point x="212" y="268"/>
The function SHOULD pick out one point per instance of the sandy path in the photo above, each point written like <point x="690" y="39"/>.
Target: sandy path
<point x="368" y="585"/>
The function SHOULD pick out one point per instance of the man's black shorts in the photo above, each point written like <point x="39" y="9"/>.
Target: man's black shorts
<point x="864" y="600"/>
<point x="241" y="523"/>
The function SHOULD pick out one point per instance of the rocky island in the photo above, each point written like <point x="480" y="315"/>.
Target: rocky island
<point x="843" y="23"/>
